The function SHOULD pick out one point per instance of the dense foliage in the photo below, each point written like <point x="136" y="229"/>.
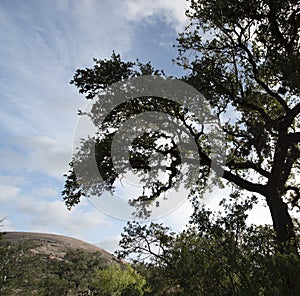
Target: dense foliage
<point x="247" y="65"/>
<point x="218" y="254"/>
<point x="24" y="271"/>
<point x="244" y="57"/>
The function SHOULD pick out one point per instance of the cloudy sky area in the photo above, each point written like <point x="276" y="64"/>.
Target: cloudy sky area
<point x="42" y="45"/>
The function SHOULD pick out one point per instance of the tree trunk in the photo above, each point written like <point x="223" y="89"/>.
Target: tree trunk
<point x="282" y="223"/>
<point x="286" y="237"/>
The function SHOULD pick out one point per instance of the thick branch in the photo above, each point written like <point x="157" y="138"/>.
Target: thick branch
<point x="294" y="138"/>
<point x="253" y="187"/>
<point x="206" y="160"/>
<point x="287" y="167"/>
<point x="291" y="115"/>
<point x="248" y="165"/>
<point x="274" y="27"/>
<point x="245" y="184"/>
<point x="269" y="121"/>
<point x="281" y="152"/>
<point x="259" y="81"/>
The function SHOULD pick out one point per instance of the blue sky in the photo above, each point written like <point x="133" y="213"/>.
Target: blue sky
<point x="42" y="44"/>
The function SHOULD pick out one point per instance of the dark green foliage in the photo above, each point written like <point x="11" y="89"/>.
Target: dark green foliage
<point x="244" y="57"/>
<point x="15" y="266"/>
<point x="106" y="72"/>
<point x="24" y="271"/>
<point x="245" y="66"/>
<point x="218" y="254"/>
<point x="93" y="82"/>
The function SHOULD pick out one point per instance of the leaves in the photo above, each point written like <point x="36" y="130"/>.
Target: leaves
<point x="217" y="254"/>
<point x="243" y="56"/>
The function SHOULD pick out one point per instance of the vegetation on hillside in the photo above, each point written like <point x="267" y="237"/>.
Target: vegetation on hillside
<point x="24" y="271"/>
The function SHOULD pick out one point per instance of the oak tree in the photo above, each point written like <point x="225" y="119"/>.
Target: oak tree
<point x="243" y="56"/>
<point x="245" y="60"/>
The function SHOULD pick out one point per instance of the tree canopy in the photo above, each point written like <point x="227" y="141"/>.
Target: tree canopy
<point x="243" y="56"/>
<point x="250" y="64"/>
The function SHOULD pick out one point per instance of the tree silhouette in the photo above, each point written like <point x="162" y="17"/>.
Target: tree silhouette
<point x="243" y="56"/>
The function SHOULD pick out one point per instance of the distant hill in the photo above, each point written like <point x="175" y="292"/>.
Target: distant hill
<point x="55" y="245"/>
<point x="49" y="264"/>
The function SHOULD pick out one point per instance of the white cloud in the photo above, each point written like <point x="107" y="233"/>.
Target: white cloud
<point x="173" y="12"/>
<point x="12" y="180"/>
<point x="5" y="223"/>
<point x="111" y="244"/>
<point x="48" y="155"/>
<point x="40" y="154"/>
<point x="42" y="210"/>
<point x="8" y="192"/>
<point x="45" y="216"/>
<point x="179" y="218"/>
<point x="44" y="192"/>
<point x="40" y="52"/>
<point x="42" y="44"/>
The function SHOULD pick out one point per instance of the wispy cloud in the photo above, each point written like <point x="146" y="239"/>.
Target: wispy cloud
<point x="41" y="211"/>
<point x="8" y="192"/>
<point x="38" y="154"/>
<point x="42" y="44"/>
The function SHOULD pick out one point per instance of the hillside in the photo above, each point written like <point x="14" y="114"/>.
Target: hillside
<point x="48" y="264"/>
<point x="55" y="245"/>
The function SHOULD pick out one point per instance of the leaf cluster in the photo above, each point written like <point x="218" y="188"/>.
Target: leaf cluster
<point x="218" y="254"/>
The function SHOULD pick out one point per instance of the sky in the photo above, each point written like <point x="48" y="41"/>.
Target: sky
<point x="42" y="45"/>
